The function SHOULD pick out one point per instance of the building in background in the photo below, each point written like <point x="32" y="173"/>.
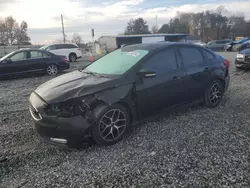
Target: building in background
<point x="110" y="43"/>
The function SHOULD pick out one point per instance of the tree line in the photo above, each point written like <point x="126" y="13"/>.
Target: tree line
<point x="209" y="25"/>
<point x="11" y="32"/>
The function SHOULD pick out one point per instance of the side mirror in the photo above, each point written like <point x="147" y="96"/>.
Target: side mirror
<point x="7" y="61"/>
<point x="145" y="73"/>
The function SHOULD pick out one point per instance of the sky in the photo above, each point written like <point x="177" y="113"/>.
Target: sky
<point x="107" y="17"/>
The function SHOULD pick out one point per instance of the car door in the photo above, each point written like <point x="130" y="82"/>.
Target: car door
<point x="165" y="89"/>
<point x="16" y="65"/>
<point x="196" y="71"/>
<point x="36" y="62"/>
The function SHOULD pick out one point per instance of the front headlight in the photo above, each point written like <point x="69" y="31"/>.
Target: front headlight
<point x="66" y="109"/>
<point x="239" y="56"/>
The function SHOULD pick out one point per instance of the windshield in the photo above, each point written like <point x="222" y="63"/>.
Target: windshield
<point x="43" y="47"/>
<point x="4" y="57"/>
<point x="246" y="42"/>
<point x="117" y="62"/>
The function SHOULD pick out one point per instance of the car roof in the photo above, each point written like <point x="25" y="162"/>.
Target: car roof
<point x="60" y="44"/>
<point x="155" y="46"/>
<point x="31" y="49"/>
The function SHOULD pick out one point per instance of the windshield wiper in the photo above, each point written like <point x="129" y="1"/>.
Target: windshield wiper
<point x="94" y="73"/>
<point x="87" y="72"/>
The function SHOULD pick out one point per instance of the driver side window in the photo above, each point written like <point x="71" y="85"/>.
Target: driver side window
<point x="19" y="56"/>
<point x="162" y="62"/>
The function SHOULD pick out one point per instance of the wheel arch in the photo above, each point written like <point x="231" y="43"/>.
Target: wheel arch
<point x="72" y="53"/>
<point x="101" y="104"/>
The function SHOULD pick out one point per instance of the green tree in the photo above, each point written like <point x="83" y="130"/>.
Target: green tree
<point x="21" y="33"/>
<point x="11" y="32"/>
<point x="138" y="26"/>
<point x="164" y="29"/>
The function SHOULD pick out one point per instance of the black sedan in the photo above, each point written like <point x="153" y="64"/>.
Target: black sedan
<point x="242" y="59"/>
<point x="32" y="61"/>
<point x="128" y="85"/>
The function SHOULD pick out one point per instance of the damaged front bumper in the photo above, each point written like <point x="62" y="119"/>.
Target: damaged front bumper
<point x="62" y="131"/>
<point x="242" y="63"/>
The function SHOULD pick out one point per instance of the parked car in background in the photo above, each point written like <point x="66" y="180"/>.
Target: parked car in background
<point x="229" y="46"/>
<point x="71" y="51"/>
<point x="28" y="61"/>
<point x="242" y="59"/>
<point x="217" y="45"/>
<point x="201" y="43"/>
<point x="240" y="47"/>
<point x="126" y="86"/>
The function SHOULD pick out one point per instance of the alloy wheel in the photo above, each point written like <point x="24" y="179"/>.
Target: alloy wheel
<point x="112" y="125"/>
<point x="52" y="70"/>
<point x="215" y="94"/>
<point x="72" y="58"/>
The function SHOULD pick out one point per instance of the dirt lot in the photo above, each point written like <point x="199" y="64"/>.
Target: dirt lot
<point x="197" y="147"/>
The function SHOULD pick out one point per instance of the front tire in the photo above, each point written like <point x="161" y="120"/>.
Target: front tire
<point x="111" y="124"/>
<point x="214" y="94"/>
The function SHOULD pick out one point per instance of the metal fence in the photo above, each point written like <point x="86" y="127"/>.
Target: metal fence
<point x="8" y="49"/>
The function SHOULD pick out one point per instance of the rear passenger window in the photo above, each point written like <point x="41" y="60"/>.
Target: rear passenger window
<point x="191" y="56"/>
<point x="209" y="55"/>
<point x="60" y="46"/>
<point x="36" y="54"/>
<point x="162" y="62"/>
<point x="71" y="46"/>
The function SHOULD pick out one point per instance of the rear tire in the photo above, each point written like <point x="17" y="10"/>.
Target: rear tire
<point x="111" y="124"/>
<point x="214" y="94"/>
<point x="72" y="57"/>
<point x="52" y="70"/>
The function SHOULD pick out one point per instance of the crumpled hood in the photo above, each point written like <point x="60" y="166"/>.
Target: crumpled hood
<point x="72" y="85"/>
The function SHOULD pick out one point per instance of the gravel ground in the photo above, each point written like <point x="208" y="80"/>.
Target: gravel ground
<point x="196" y="147"/>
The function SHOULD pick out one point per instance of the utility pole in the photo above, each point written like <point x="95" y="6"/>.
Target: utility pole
<point x="156" y="21"/>
<point x="64" y="40"/>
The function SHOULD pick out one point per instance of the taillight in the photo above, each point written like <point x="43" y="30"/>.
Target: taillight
<point x="65" y="59"/>
<point x="227" y="63"/>
<point x="79" y="49"/>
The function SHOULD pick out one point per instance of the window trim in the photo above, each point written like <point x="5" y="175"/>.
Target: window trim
<point x="18" y="53"/>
